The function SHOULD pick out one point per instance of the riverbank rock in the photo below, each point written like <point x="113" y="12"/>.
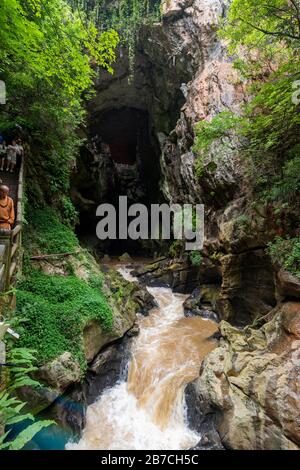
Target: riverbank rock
<point x="126" y="299"/>
<point x="203" y="419"/>
<point x="54" y="378"/>
<point x="179" y="274"/>
<point x="288" y="285"/>
<point x="60" y="373"/>
<point x="248" y="287"/>
<point x="252" y="380"/>
<point x="107" y="368"/>
<point x="202" y="303"/>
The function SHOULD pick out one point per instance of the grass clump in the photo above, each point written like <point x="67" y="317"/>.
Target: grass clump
<point x="46" y="234"/>
<point x="286" y="252"/>
<point x="54" y="310"/>
<point x="195" y="258"/>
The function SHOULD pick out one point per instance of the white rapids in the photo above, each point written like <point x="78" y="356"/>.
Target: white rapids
<point x="147" y="412"/>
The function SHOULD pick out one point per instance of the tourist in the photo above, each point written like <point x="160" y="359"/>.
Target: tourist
<point x="20" y="152"/>
<point x="12" y="152"/>
<point x="7" y="212"/>
<point x="2" y="153"/>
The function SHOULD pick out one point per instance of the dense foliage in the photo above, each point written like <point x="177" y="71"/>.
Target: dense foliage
<point x="264" y="39"/>
<point x="22" y="362"/>
<point x="48" y="58"/>
<point x="56" y="309"/>
<point x="286" y="252"/>
<point x="47" y="234"/>
<point x="124" y="16"/>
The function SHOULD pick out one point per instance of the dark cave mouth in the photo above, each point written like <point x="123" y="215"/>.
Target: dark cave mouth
<point x="132" y="143"/>
<point x="126" y="163"/>
<point x="121" y="130"/>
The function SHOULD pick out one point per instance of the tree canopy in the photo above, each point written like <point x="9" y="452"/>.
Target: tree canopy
<point x="264" y="40"/>
<point x="50" y="54"/>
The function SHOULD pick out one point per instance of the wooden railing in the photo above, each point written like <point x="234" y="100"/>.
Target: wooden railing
<point x="11" y="240"/>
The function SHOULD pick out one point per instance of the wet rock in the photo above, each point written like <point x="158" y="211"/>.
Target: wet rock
<point x="252" y="380"/>
<point x="113" y="369"/>
<point x="201" y="304"/>
<point x="108" y="367"/>
<point x="248" y="288"/>
<point x="60" y="373"/>
<point x="144" y="299"/>
<point x="134" y="331"/>
<point x="176" y="274"/>
<point x="288" y="285"/>
<point x="125" y="258"/>
<point x="54" y="377"/>
<point x="202" y="418"/>
<point x="102" y="358"/>
<point x="69" y="412"/>
<point x="206" y="314"/>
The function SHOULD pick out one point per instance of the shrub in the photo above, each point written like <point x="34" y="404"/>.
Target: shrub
<point x="45" y="233"/>
<point x="11" y="408"/>
<point x="286" y="252"/>
<point x="56" y="309"/>
<point x="195" y="258"/>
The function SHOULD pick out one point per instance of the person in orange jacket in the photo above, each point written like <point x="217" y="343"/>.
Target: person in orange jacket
<point x="7" y="211"/>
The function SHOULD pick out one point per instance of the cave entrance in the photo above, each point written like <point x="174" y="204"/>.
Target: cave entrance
<point x="121" y="130"/>
<point x="133" y="150"/>
<point x="122" y="160"/>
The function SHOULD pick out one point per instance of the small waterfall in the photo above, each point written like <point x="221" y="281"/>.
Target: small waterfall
<point x="148" y="410"/>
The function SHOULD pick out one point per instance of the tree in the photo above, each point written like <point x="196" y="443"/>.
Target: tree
<point x="264" y="39"/>
<point x="50" y="55"/>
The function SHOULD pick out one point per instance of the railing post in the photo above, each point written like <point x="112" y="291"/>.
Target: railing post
<point x="11" y="240"/>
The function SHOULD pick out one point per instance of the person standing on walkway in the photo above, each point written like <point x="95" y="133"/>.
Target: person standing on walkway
<point x="7" y="211"/>
<point x="20" y="152"/>
<point x="2" y="154"/>
<point x="12" y="151"/>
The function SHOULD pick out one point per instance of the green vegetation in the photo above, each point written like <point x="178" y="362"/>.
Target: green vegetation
<point x="195" y="258"/>
<point x="125" y="16"/>
<point x="53" y="309"/>
<point x="11" y="407"/>
<point x="56" y="309"/>
<point x="264" y="37"/>
<point x="49" y="54"/>
<point x="286" y="252"/>
<point x="47" y="234"/>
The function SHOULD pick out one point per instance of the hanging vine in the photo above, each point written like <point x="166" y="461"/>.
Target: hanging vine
<point x="125" y="16"/>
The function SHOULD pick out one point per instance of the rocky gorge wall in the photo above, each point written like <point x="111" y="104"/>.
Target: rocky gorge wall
<point x="183" y="75"/>
<point x="250" y="382"/>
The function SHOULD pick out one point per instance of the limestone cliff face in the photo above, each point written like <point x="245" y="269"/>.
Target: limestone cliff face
<point x="252" y="379"/>
<point x="182" y="75"/>
<point x="212" y="88"/>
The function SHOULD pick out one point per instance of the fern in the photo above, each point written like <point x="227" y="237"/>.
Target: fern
<point x="11" y="408"/>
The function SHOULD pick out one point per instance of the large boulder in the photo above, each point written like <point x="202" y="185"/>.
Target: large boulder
<point x="60" y="373"/>
<point x="248" y="288"/>
<point x="54" y="378"/>
<point x="179" y="274"/>
<point x="252" y="379"/>
<point x="288" y="285"/>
